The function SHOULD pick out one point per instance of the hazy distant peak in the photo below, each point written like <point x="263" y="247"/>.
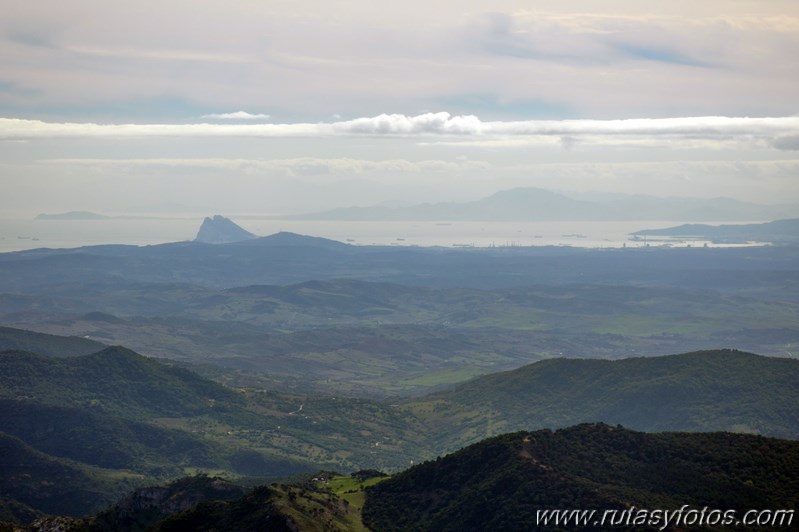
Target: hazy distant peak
<point x="72" y="215"/>
<point x="538" y="204"/>
<point x="531" y="196"/>
<point x="221" y="230"/>
<point x="526" y="191"/>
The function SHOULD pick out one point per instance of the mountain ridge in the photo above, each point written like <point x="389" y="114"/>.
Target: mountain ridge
<point x="502" y="483"/>
<point x="12" y="339"/>
<point x="709" y="390"/>
<point x="120" y="391"/>
<point x="126" y="382"/>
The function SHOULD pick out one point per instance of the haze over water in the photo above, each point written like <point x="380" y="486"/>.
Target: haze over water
<point x="17" y="235"/>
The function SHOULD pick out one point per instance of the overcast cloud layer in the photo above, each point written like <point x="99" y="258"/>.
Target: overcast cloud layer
<point x="244" y="105"/>
<point x="780" y="133"/>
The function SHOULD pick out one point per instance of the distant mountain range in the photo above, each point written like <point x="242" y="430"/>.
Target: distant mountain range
<point x="525" y="204"/>
<point x="535" y="204"/>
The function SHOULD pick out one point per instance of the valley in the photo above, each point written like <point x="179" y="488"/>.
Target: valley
<point x="134" y="367"/>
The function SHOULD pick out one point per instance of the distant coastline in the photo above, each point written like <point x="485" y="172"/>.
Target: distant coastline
<point x="17" y="235"/>
<point x="87" y="215"/>
<point x="777" y="232"/>
<point x="72" y="215"/>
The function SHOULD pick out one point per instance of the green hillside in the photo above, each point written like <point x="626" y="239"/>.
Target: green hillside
<point x="114" y="380"/>
<point x="137" y="418"/>
<point x="498" y="484"/>
<point x="131" y="416"/>
<point x="703" y="391"/>
<point x="56" y="486"/>
<point x="46" y="344"/>
<point x="101" y="440"/>
<point x="502" y="484"/>
<point x="274" y="508"/>
<point x="213" y="504"/>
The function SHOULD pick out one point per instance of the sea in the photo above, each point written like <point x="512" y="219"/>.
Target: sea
<point x="21" y="234"/>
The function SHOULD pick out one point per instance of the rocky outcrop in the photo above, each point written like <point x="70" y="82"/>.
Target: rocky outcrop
<point x="149" y="505"/>
<point x="221" y="230"/>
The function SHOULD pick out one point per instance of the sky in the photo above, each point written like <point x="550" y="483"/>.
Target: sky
<point x="276" y="106"/>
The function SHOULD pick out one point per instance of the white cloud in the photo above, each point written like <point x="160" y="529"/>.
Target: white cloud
<point x="402" y="125"/>
<point x="705" y="131"/>
<point x="11" y="128"/>
<point x="238" y="115"/>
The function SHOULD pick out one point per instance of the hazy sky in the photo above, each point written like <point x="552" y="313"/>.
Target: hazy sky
<point x="289" y="106"/>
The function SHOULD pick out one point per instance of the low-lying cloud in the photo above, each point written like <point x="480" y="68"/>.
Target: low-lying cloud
<point x="238" y="115"/>
<point x="778" y="132"/>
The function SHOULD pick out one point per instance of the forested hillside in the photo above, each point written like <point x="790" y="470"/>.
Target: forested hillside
<point x="500" y="483"/>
